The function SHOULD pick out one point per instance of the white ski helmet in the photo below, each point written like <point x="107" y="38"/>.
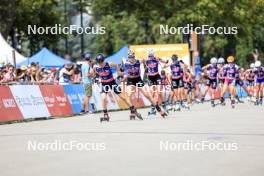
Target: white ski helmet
<point x="221" y="60"/>
<point x="252" y="65"/>
<point x="151" y="53"/>
<point x="213" y="60"/>
<point x="257" y="64"/>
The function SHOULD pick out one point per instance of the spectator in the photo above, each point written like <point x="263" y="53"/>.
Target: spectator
<point x="22" y="74"/>
<point x="87" y="81"/>
<point x="77" y="76"/>
<point x="9" y="76"/>
<point x="65" y="74"/>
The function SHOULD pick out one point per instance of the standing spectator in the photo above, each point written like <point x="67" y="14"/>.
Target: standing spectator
<point x="77" y="77"/>
<point x="65" y="74"/>
<point x="87" y="81"/>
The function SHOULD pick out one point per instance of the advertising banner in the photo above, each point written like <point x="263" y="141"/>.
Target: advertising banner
<point x="8" y="107"/>
<point x="164" y="51"/>
<point x="111" y="100"/>
<point x="56" y="100"/>
<point x="30" y="101"/>
<point x="75" y="94"/>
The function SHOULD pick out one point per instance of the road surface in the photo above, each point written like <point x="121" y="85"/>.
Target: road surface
<point x="152" y="147"/>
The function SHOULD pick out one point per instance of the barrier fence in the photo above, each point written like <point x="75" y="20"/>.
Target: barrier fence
<point x="19" y="102"/>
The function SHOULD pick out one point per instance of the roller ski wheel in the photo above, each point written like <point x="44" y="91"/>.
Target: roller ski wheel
<point x="163" y="114"/>
<point x="213" y="104"/>
<point x="139" y="116"/>
<point x="82" y="113"/>
<point x="132" y="117"/>
<point x="136" y="114"/>
<point x="233" y="103"/>
<point x="187" y="106"/>
<point x="105" y="118"/>
<point x="152" y="113"/>
<point x="178" y="109"/>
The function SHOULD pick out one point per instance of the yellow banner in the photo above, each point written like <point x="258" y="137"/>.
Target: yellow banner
<point x="163" y="51"/>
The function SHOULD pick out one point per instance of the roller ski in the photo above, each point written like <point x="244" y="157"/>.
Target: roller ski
<point x="83" y="112"/>
<point x="152" y="111"/>
<point x="163" y="114"/>
<point x="233" y="103"/>
<point x="177" y="108"/>
<point x="134" y="114"/>
<point x="105" y="118"/>
<point x="197" y="101"/>
<point x="185" y="105"/>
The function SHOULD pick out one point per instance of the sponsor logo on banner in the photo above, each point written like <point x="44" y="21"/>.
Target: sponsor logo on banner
<point x="8" y="107"/>
<point x="56" y="100"/>
<point x="30" y="101"/>
<point x="75" y="94"/>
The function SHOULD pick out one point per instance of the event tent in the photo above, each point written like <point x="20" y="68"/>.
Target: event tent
<point x="6" y="52"/>
<point x="117" y="57"/>
<point x="46" y="59"/>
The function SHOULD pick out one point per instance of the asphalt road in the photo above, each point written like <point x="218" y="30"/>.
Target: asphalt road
<point x="154" y="146"/>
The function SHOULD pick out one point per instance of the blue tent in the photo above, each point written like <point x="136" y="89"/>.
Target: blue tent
<point x="46" y="59"/>
<point x="117" y="57"/>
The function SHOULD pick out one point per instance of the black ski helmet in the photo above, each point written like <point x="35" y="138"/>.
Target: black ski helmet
<point x="100" y="58"/>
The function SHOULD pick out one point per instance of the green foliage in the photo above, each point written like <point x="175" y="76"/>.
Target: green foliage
<point x="138" y="21"/>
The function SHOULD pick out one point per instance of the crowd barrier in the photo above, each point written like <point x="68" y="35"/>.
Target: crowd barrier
<point x="19" y="102"/>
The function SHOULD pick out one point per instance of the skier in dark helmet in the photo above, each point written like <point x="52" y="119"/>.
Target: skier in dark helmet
<point x="108" y="83"/>
<point x="134" y="82"/>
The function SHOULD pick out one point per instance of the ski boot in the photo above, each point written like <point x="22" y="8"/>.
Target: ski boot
<point x="212" y="103"/>
<point x="256" y="103"/>
<point x="164" y="114"/>
<point x="134" y="114"/>
<point x="197" y="101"/>
<point x="222" y="101"/>
<point x="260" y="101"/>
<point x="177" y="107"/>
<point x="170" y="107"/>
<point x="202" y="100"/>
<point x="238" y="100"/>
<point x="161" y="111"/>
<point x="165" y="107"/>
<point x="185" y="105"/>
<point x="105" y="118"/>
<point x="152" y="111"/>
